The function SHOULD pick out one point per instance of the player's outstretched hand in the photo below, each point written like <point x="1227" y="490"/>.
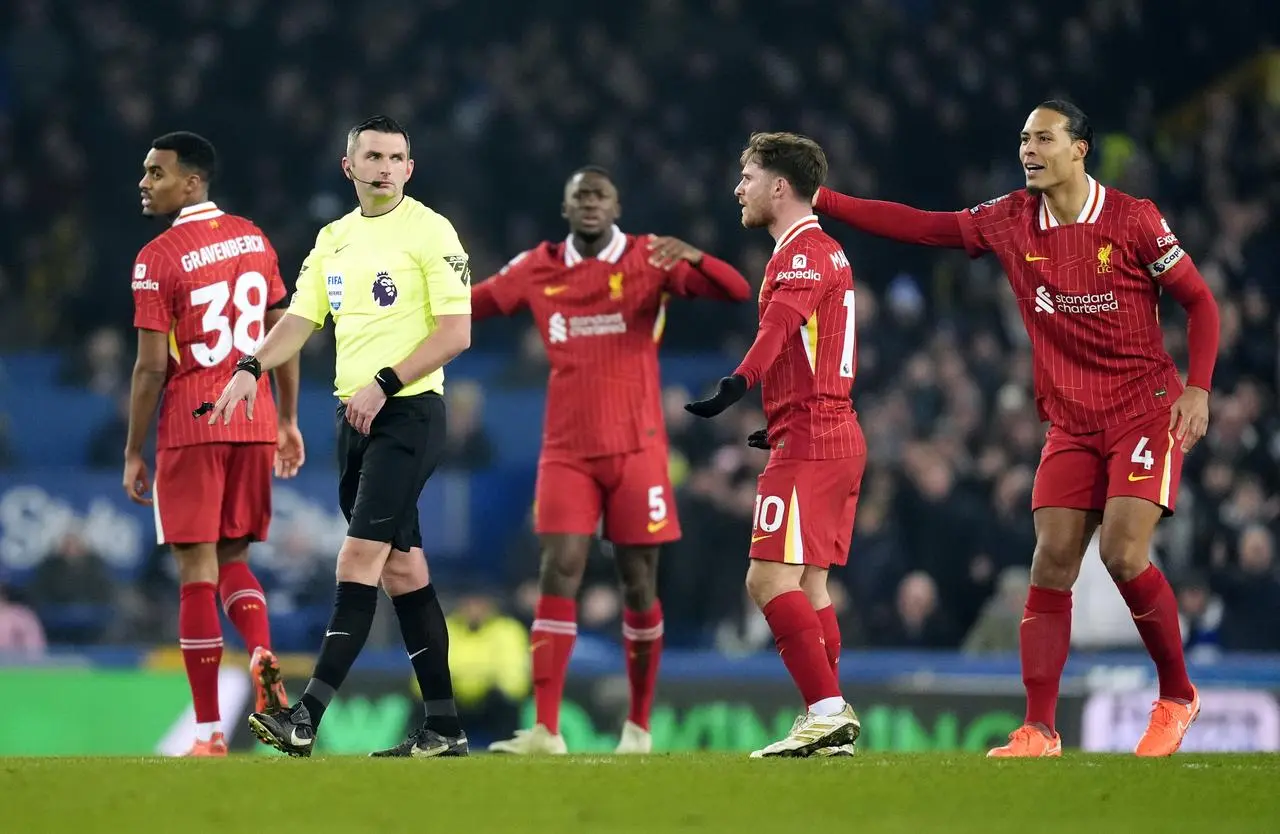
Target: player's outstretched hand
<point x="290" y="452"/>
<point x="759" y="439"/>
<point x="241" y="387"/>
<point x="137" y="480"/>
<point x="364" y="406"/>
<point x="665" y="252"/>
<point x="728" y="392"/>
<point x="1189" y="417"/>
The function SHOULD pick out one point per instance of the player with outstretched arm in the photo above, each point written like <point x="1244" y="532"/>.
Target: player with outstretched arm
<point x="1087" y="265"/>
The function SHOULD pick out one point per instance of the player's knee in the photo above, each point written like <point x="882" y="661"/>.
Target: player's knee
<point x="196" y="563"/>
<point x="638" y="575"/>
<point x="1125" y="552"/>
<point x="361" y="560"/>
<point x="561" y="571"/>
<point x="1055" y="564"/>
<point x="405" y="572"/>
<point x="766" y="580"/>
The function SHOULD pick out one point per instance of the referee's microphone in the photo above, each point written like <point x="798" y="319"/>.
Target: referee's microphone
<point x="351" y="175"/>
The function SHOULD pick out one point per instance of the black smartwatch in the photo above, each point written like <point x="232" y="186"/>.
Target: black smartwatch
<point x="250" y="364"/>
<point x="388" y="381"/>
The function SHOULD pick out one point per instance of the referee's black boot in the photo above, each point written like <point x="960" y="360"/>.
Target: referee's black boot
<point x="427" y="744"/>
<point x="288" y="730"/>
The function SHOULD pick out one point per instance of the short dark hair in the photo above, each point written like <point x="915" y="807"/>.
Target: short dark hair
<point x="195" y="153"/>
<point x="378" y="124"/>
<point x="1079" y="128"/>
<point x="599" y="170"/>
<point x="797" y="159"/>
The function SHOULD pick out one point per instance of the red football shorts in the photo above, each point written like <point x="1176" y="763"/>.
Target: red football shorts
<point x="805" y="510"/>
<point x="1138" y="459"/>
<point x="631" y="492"/>
<point x="213" y="491"/>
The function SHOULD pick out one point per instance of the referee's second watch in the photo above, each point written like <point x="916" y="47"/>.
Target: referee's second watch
<point x="388" y="381"/>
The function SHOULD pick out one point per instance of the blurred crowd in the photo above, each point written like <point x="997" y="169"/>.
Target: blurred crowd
<point x="917" y="101"/>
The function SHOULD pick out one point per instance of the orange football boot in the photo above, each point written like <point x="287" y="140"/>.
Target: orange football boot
<point x="1168" y="727"/>
<point x="268" y="687"/>
<point x="1028" y="742"/>
<point x="216" y="746"/>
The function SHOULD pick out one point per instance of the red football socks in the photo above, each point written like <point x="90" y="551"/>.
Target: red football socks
<point x="1044" y="640"/>
<point x="831" y="634"/>
<point x="797" y="633"/>
<point x="555" y="628"/>
<point x="642" y="641"/>
<point x="245" y="604"/>
<point x="1155" y="613"/>
<point x="200" y="637"/>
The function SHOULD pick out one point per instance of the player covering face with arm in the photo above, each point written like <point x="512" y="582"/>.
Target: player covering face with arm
<point x="1087" y="265"/>
<point x="395" y="279"/>
<point x="804" y="358"/>
<point x="598" y="300"/>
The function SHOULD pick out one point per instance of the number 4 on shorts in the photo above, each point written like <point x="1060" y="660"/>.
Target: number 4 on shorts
<point x="1142" y="455"/>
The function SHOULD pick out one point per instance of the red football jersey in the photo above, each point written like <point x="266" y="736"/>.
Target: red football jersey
<point x="207" y="281"/>
<point x="601" y="320"/>
<point x="808" y="389"/>
<point x="1088" y="294"/>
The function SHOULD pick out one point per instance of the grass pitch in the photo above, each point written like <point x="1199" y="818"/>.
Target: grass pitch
<point x="916" y="793"/>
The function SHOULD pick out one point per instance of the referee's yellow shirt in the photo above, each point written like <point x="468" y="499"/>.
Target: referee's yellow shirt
<point x="384" y="280"/>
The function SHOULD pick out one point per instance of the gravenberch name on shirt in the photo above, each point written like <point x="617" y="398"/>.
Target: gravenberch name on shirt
<point x="221" y="251"/>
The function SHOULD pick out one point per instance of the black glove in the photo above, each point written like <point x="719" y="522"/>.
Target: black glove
<point x="728" y="392"/>
<point x="759" y="439"/>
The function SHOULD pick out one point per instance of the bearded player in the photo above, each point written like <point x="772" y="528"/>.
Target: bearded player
<point x="804" y="357"/>
<point x="1087" y="264"/>
<point x="599" y="300"/>
<point x="205" y="292"/>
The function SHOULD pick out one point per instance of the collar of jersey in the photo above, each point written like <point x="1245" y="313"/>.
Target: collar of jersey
<point x="200" y="211"/>
<point x="611" y="252"/>
<point x="1090" y="213"/>
<point x="809" y="221"/>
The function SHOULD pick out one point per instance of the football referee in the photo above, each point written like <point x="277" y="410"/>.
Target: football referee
<point x="396" y="280"/>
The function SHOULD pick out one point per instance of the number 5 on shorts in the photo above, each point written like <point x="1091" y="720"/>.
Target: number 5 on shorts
<point x="657" y="504"/>
<point x="1142" y="455"/>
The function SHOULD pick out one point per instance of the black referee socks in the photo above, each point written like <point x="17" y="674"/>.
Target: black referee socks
<point x="426" y="639"/>
<point x="353" y="609"/>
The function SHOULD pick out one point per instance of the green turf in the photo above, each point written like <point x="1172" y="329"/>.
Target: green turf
<point x="916" y="793"/>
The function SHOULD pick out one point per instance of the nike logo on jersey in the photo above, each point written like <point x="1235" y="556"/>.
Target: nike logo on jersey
<point x="1032" y="258"/>
<point x="655" y="526"/>
<point x="337" y="634"/>
<point x="554" y="290"/>
<point x="755" y="539"/>
<point x="340" y="248"/>
<point x="1134" y="478"/>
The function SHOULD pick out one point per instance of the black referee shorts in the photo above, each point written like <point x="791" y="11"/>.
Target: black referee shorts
<point x="381" y="476"/>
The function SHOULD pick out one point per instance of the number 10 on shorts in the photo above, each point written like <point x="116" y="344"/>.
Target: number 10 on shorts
<point x="769" y="514"/>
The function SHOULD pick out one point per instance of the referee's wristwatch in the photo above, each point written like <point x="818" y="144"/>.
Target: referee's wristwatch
<point x="389" y="381"/>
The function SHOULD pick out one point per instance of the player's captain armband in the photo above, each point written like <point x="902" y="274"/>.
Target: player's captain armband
<point x="1166" y="262"/>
